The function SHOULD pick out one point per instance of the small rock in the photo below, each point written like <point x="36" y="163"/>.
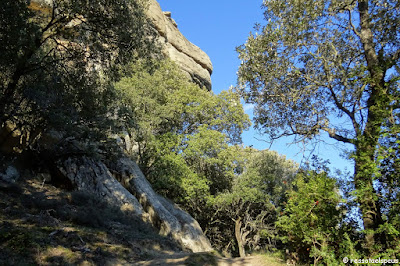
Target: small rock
<point x="55" y="232"/>
<point x="82" y="249"/>
<point x="11" y="175"/>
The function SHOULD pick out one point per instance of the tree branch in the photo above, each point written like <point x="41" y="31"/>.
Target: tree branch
<point x="352" y="24"/>
<point x="332" y="134"/>
<point x="396" y="55"/>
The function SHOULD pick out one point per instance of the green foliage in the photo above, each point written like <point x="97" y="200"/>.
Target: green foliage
<point x="307" y="59"/>
<point x="209" y="154"/>
<point x="311" y="218"/>
<point x="187" y="142"/>
<point x="272" y="174"/>
<point x="57" y="60"/>
<point x="254" y="201"/>
<point x="388" y="185"/>
<point x="328" y="67"/>
<point x="182" y="131"/>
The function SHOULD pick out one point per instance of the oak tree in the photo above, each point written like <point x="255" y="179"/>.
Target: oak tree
<point x="185" y="136"/>
<point x="247" y="213"/>
<point x="328" y="66"/>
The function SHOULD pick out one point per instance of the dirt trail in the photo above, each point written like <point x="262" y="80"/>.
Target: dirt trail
<point x="204" y="259"/>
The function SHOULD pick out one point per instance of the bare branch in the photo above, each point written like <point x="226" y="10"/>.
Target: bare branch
<point x="332" y="134"/>
<point x="340" y="106"/>
<point x="352" y="24"/>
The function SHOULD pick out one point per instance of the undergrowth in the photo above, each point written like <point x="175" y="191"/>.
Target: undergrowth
<point x="43" y="225"/>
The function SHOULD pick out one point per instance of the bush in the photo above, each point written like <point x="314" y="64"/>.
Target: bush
<point x="310" y="222"/>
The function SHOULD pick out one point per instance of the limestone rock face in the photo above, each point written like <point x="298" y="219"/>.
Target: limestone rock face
<point x="134" y="193"/>
<point x="87" y="174"/>
<point x="169" y="218"/>
<point x="194" y="62"/>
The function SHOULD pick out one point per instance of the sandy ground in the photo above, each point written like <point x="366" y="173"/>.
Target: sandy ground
<point x="177" y="260"/>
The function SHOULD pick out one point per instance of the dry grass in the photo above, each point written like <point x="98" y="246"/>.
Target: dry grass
<point x="43" y="225"/>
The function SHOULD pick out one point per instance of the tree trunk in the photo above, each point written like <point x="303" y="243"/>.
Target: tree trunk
<point x="238" y="235"/>
<point x="378" y="111"/>
<point x="366" y="194"/>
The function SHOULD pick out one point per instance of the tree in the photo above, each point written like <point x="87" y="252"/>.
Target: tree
<point x="58" y="56"/>
<point x="388" y="187"/>
<point x="333" y="67"/>
<point x="312" y="216"/>
<point x="248" y="212"/>
<point x="186" y="136"/>
<point x="58" y="62"/>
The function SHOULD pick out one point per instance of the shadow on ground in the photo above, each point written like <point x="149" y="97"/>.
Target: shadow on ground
<point x="41" y="224"/>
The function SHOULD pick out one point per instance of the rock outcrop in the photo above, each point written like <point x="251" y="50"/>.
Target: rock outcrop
<point x="194" y="62"/>
<point x="90" y="175"/>
<point x="169" y="218"/>
<point x="134" y="193"/>
<point x="122" y="184"/>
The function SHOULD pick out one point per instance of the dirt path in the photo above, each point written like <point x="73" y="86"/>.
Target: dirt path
<point x="203" y="259"/>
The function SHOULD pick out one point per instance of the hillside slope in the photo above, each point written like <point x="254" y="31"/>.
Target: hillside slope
<point x="44" y="225"/>
<point x="41" y="224"/>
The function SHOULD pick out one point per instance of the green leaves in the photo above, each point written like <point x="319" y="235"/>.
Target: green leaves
<point x="59" y="57"/>
<point x="312" y="216"/>
<point x="188" y="138"/>
<point x="255" y="199"/>
<point x="328" y="66"/>
<point x="179" y="126"/>
<point x="164" y="98"/>
<point x="304" y="67"/>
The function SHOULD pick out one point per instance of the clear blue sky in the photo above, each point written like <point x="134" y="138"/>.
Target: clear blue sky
<point x="219" y="26"/>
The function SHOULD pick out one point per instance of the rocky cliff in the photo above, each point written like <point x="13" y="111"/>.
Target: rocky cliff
<point x="194" y="62"/>
<point x="62" y="159"/>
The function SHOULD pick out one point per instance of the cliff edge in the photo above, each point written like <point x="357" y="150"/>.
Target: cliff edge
<point x="194" y="62"/>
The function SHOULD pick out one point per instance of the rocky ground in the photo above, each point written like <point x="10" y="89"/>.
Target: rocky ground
<point x="41" y="224"/>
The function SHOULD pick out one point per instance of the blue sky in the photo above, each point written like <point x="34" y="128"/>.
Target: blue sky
<point x="219" y="26"/>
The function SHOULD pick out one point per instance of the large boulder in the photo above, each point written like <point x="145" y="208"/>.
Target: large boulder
<point x="194" y="62"/>
<point x="90" y="175"/>
<point x="134" y="193"/>
<point x="165" y="215"/>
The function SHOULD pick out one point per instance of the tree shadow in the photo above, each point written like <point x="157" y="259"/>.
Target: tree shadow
<point x="41" y="224"/>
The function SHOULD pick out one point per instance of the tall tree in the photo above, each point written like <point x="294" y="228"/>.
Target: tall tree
<point x="328" y="66"/>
